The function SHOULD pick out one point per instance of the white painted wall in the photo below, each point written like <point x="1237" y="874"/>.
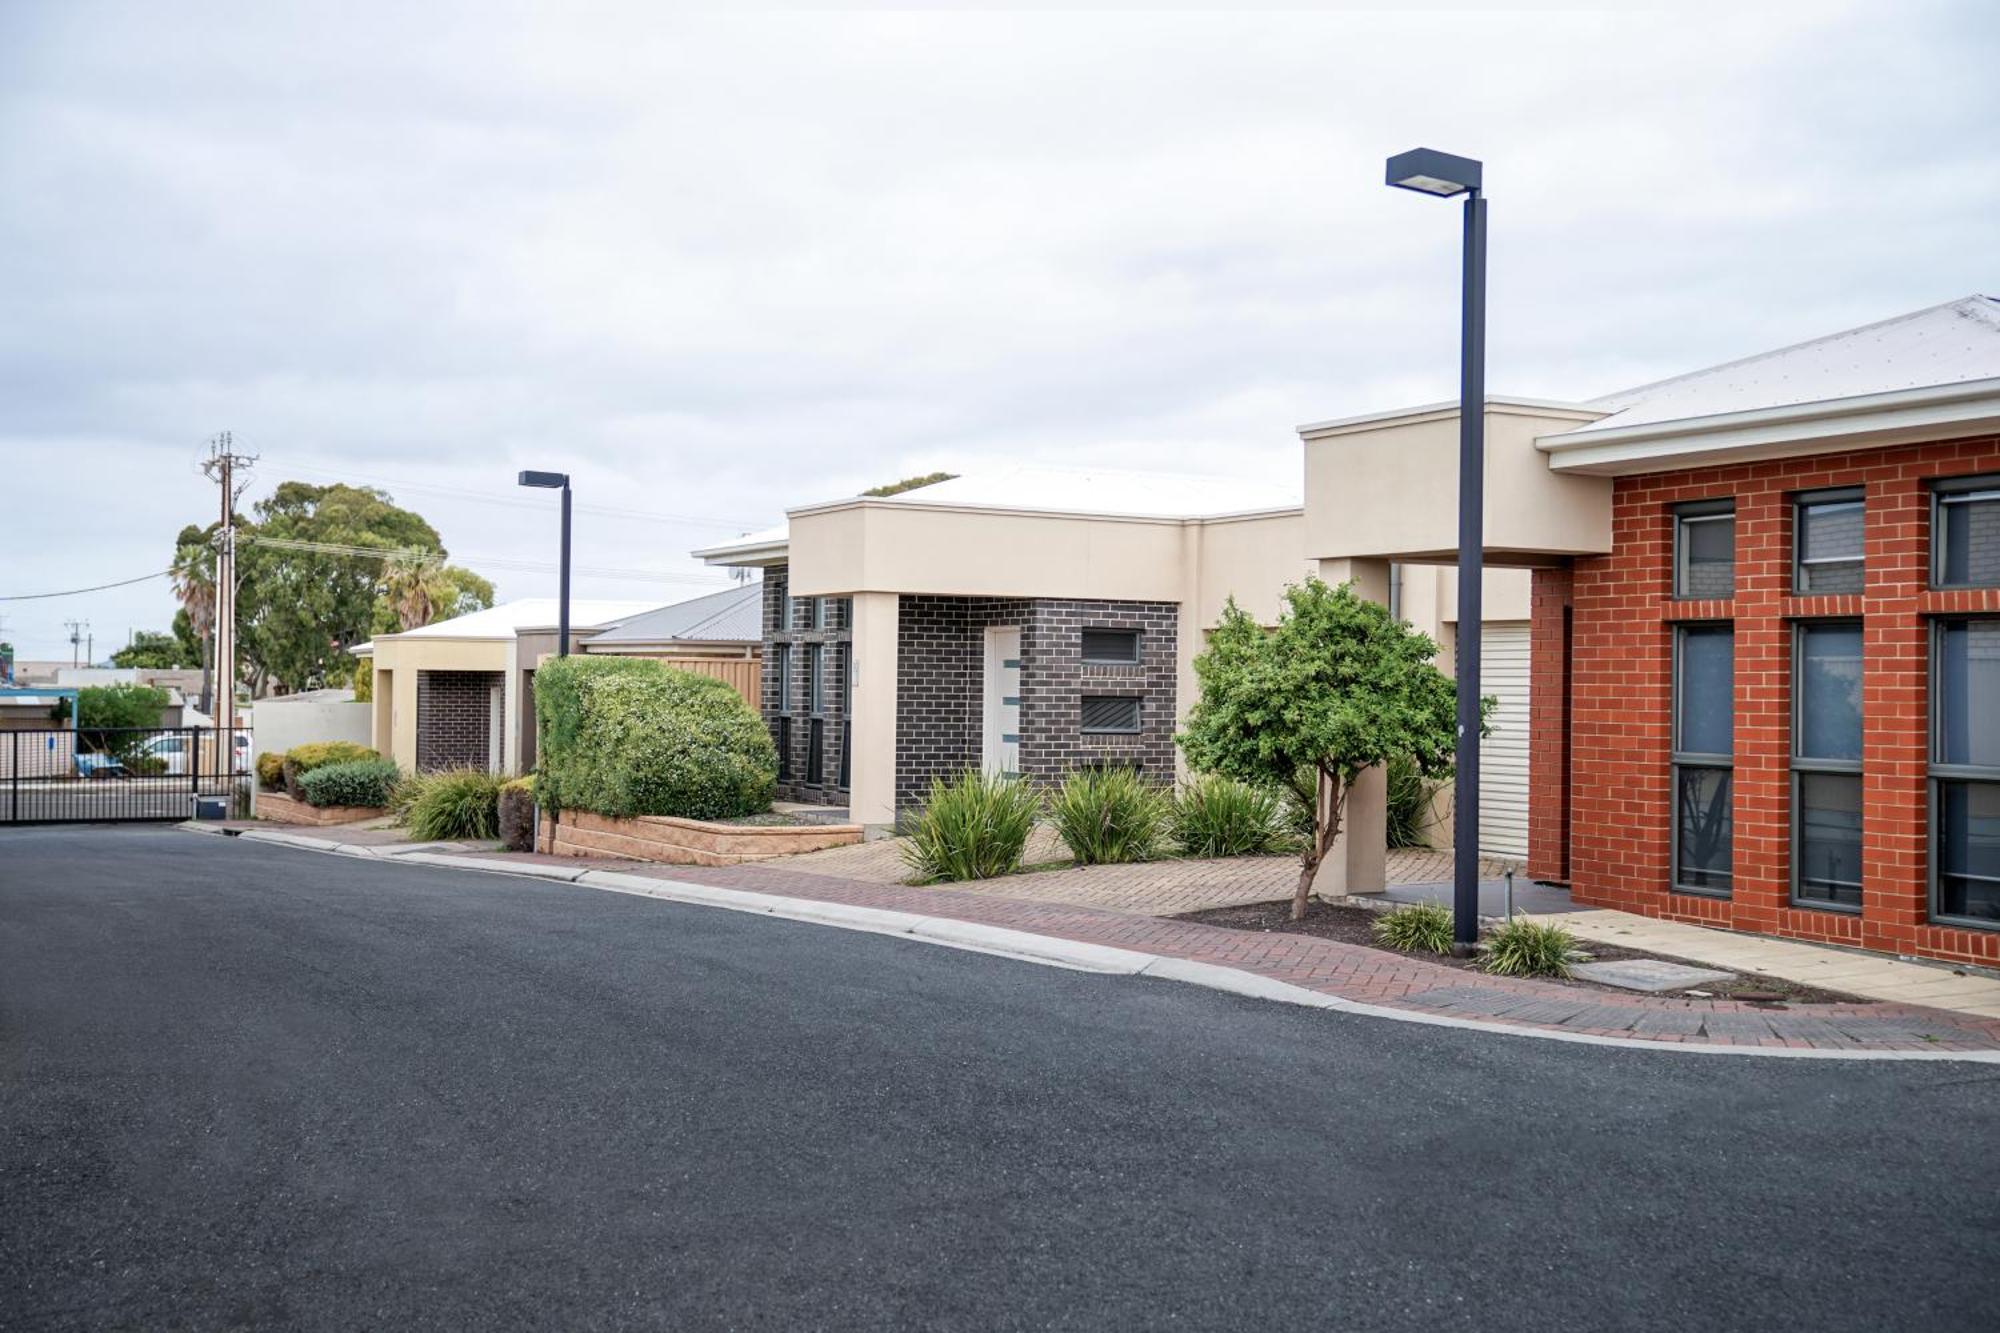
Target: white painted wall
<point x="277" y="725"/>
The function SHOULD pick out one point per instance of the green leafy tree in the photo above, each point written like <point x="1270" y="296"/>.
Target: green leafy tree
<point x="193" y="649"/>
<point x="910" y="484"/>
<point x="150" y="648"/>
<point x="104" y="712"/>
<point x="1339" y="687"/>
<point x="299" y="610"/>
<point x="421" y="589"/>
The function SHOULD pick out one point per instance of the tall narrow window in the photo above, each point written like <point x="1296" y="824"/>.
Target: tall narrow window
<point x="1704" y="743"/>
<point x="1826" y="765"/>
<point x="1826" y="542"/>
<point x="815" y="678"/>
<point x="819" y="613"/>
<point x="1705" y="549"/>
<point x="781" y="674"/>
<point x="1965" y="771"/>
<point x="1965" y="532"/>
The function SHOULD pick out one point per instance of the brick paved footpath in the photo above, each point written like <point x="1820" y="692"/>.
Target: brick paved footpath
<point x="1374" y="976"/>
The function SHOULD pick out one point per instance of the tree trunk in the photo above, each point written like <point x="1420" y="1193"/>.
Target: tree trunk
<point x="1326" y="827"/>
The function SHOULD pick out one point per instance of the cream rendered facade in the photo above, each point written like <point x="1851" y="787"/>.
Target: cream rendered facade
<point x="876" y="552"/>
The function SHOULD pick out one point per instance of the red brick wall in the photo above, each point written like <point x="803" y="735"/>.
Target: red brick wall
<point x="1549" y="611"/>
<point x="1623" y="616"/>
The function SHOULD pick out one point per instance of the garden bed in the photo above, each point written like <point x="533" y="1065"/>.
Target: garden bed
<point x="1355" y="925"/>
<point x="687" y="842"/>
<point x="281" y="809"/>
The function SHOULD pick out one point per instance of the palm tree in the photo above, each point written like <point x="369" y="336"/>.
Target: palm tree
<point x="193" y="574"/>
<point x="416" y="588"/>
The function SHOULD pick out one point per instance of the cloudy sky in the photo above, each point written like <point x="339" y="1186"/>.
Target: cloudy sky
<point x="718" y="264"/>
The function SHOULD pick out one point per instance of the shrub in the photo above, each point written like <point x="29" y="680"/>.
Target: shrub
<point x="627" y="736"/>
<point x="303" y="759"/>
<point x="1218" y="816"/>
<point x="455" y="804"/>
<point x="364" y="680"/>
<point x="1410" y="804"/>
<point x="972" y="828"/>
<point x="1425" y="926"/>
<point x="1109" y="815"/>
<point x="271" y="770"/>
<point x="517" y="815"/>
<point x="361" y="782"/>
<point x="1524" y="948"/>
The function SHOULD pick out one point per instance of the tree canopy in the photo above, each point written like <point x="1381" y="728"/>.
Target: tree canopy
<point x="150" y="648"/>
<point x="300" y="610"/>
<point x="910" y="484"/>
<point x="1338" y="687"/>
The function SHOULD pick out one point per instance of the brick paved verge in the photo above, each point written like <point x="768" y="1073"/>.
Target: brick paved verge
<point x="1372" y="976"/>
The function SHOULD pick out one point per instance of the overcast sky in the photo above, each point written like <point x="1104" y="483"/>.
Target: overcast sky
<point x="719" y="265"/>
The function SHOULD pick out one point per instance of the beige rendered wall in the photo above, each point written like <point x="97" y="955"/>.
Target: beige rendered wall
<point x="1389" y="489"/>
<point x="397" y="662"/>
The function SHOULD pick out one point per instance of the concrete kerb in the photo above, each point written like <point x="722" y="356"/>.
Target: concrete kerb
<point x="1073" y="954"/>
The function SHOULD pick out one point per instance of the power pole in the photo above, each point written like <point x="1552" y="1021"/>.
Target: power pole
<point x="77" y="629"/>
<point x="229" y="470"/>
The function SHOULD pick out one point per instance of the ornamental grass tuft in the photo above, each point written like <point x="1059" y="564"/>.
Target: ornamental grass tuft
<point x="1424" y="927"/>
<point x="1524" y="948"/>
<point x="1107" y="816"/>
<point x="453" y="805"/>
<point x="1218" y="816"/>
<point x="974" y="827"/>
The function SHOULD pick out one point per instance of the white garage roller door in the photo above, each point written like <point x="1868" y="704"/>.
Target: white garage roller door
<point x="1503" y="755"/>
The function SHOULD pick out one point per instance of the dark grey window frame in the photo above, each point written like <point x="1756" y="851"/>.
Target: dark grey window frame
<point x="1937" y="774"/>
<point x="1802" y="764"/>
<point x="1138" y="646"/>
<point x="1701" y="511"/>
<point x="819" y="612"/>
<point x="1138" y="716"/>
<point x="781" y="668"/>
<point x="1686" y="759"/>
<point x="1941" y="490"/>
<point x="815" y="680"/>
<point x="1808" y="499"/>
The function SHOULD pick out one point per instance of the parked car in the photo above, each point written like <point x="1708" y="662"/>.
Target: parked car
<point x="170" y="749"/>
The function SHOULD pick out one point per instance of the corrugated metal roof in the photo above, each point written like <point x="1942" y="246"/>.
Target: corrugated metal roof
<point x="500" y="622"/>
<point x="1954" y="343"/>
<point x="735" y="615"/>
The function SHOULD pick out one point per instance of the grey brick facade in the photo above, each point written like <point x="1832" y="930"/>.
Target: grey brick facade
<point x="940" y="687"/>
<point x="455" y="718"/>
<point x="790" y="636"/>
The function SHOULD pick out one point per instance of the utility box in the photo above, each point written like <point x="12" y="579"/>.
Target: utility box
<point x="211" y="807"/>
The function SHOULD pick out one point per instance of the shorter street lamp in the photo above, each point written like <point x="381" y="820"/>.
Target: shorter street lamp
<point x="558" y="481"/>
<point x="1428" y="171"/>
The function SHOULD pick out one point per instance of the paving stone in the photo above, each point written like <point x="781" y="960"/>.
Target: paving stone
<point x="1647" y="974"/>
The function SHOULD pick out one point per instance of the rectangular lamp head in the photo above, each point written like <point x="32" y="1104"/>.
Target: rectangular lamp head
<point x="548" y="480"/>
<point x="1430" y="172"/>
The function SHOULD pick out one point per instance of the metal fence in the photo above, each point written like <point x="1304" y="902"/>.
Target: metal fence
<point x="120" y="774"/>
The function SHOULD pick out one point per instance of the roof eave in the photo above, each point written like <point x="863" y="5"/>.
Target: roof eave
<point x="1902" y="416"/>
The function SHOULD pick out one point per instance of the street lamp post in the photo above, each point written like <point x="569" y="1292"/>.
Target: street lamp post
<point x="553" y="481"/>
<point x="1430" y="172"/>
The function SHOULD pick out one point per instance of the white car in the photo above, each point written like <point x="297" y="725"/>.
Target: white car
<point x="171" y="749"/>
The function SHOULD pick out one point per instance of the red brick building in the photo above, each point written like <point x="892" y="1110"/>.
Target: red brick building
<point x="1772" y="703"/>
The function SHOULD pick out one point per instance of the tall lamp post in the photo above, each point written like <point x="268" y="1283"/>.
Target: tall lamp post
<point x="1428" y="171"/>
<point x="558" y="481"/>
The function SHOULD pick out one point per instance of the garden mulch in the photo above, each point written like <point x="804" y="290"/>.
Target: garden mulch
<point x="1355" y="926"/>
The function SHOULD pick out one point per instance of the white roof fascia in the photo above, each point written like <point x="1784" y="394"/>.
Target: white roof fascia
<point x="900" y="506"/>
<point x="1410" y="416"/>
<point x="745" y="553"/>
<point x="1899" y="417"/>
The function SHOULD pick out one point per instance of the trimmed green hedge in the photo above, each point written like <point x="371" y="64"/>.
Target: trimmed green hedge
<point x="365" y="782"/>
<point x="303" y="759"/>
<point x="624" y="736"/>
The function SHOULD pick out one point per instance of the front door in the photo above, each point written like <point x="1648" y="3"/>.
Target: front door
<point x="1002" y="752"/>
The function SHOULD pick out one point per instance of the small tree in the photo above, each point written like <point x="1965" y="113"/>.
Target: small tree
<point x="1340" y="686"/>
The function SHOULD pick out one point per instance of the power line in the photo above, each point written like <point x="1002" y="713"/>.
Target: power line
<point x="78" y="592"/>
<point x="491" y="562"/>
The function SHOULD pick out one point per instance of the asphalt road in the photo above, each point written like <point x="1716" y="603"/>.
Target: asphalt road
<point x="245" y="1085"/>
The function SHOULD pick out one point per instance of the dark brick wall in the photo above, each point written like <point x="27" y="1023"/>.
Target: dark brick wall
<point x="940" y="687"/>
<point x="788" y="632"/>
<point x="454" y="718"/>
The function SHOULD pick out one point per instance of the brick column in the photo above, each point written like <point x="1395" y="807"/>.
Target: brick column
<point x="1895" y="658"/>
<point x="1760" y="890"/>
<point x="1549" y="630"/>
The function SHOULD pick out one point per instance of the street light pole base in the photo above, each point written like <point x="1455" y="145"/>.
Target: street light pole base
<point x="1464" y="950"/>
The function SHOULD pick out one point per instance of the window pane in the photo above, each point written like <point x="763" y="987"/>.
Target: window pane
<point x="1707" y="705"/>
<point x="1830" y="692"/>
<point x="1110" y="645"/>
<point x="1969" y="849"/>
<point x="1830" y="546"/>
<point x="815" y="678"/>
<point x="1707" y="555"/>
<point x="1110" y="714"/>
<point x="1970" y="542"/>
<point x="1968" y="687"/>
<point x="1829" y="849"/>
<point x="1705" y="828"/>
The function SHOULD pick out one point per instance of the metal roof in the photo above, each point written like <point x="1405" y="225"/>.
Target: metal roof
<point x="501" y="622"/>
<point x="735" y="615"/>
<point x="1957" y="342"/>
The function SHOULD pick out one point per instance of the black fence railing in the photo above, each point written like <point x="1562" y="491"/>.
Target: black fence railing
<point x="56" y="775"/>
